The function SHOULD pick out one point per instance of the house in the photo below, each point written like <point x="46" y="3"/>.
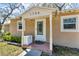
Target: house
<point x="44" y="24"/>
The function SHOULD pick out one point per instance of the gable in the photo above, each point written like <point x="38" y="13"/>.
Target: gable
<point x="34" y="12"/>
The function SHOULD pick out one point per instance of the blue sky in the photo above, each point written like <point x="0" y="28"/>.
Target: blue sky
<point x="73" y="6"/>
<point x="2" y="5"/>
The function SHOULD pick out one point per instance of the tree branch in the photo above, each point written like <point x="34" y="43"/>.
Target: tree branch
<point x="7" y="16"/>
<point x="12" y="7"/>
<point x="60" y="7"/>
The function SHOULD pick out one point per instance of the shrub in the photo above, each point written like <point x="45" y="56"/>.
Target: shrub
<point x="7" y="33"/>
<point x="16" y="39"/>
<point x="7" y="37"/>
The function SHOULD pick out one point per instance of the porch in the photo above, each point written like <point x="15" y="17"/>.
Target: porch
<point x="40" y="27"/>
<point x="42" y="47"/>
<point x="37" y="33"/>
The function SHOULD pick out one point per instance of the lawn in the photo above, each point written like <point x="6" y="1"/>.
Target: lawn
<point x="9" y="50"/>
<point x="65" y="51"/>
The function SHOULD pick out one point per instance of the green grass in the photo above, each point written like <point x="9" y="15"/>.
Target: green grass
<point x="65" y="51"/>
<point x="9" y="50"/>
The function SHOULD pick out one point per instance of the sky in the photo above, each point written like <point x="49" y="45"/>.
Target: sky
<point x="26" y="5"/>
<point x="16" y="11"/>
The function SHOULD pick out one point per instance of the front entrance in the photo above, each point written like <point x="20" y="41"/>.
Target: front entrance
<point x="40" y="29"/>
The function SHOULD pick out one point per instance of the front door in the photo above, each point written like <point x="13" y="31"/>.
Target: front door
<point x="40" y="29"/>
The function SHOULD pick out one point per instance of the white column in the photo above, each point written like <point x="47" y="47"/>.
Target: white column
<point x="51" y="38"/>
<point x="22" y="32"/>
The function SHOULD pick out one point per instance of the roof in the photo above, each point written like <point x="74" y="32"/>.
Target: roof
<point x="70" y="10"/>
<point x="48" y="8"/>
<point x="7" y="22"/>
<point x="37" y="7"/>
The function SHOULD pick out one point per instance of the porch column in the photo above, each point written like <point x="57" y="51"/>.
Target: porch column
<point x="51" y="38"/>
<point x="22" y="32"/>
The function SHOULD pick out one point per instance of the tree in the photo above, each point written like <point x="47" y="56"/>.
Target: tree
<point x="51" y="5"/>
<point x="64" y="6"/>
<point x="7" y="10"/>
<point x="60" y="6"/>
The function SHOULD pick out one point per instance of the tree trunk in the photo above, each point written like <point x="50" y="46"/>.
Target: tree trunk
<point x="0" y="26"/>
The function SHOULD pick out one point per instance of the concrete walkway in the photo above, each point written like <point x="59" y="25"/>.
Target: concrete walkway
<point x="33" y="52"/>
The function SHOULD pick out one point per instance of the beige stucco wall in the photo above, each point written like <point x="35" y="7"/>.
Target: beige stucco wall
<point x="70" y="39"/>
<point x="29" y="28"/>
<point x="6" y="27"/>
<point x="13" y="27"/>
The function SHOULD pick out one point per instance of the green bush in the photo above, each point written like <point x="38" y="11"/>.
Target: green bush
<point x="16" y="39"/>
<point x="7" y="33"/>
<point x="7" y="37"/>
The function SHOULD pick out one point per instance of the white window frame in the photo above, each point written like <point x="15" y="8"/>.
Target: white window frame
<point x="69" y="30"/>
<point x="18" y="26"/>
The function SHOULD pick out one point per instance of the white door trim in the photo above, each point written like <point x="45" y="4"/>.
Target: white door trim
<point x="44" y="27"/>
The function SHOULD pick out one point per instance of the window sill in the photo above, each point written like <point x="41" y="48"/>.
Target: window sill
<point x="69" y="31"/>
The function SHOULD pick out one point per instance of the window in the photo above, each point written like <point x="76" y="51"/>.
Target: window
<point x="40" y="28"/>
<point x="19" y="25"/>
<point x="69" y="23"/>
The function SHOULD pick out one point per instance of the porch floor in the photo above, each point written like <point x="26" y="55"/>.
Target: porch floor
<point x="43" y="47"/>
